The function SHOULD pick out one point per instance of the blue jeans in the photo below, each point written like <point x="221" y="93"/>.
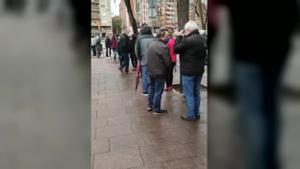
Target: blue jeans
<point x="145" y="79"/>
<point x="256" y="91"/>
<point x="115" y="53"/>
<point x="156" y="89"/>
<point x="191" y="90"/>
<point x="125" y="61"/>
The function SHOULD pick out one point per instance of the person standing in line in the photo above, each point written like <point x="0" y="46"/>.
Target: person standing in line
<point x="113" y="46"/>
<point x="141" y="49"/>
<point x="93" y="45"/>
<point x="191" y="47"/>
<point x="107" y="46"/>
<point x="98" y="46"/>
<point x="168" y="35"/>
<point x="169" y="79"/>
<point x="132" y="51"/>
<point x="159" y="61"/>
<point x="123" y="50"/>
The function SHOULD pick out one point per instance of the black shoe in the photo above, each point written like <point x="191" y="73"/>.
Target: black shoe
<point x="121" y="70"/>
<point x="185" y="117"/>
<point x="160" y="112"/>
<point x="198" y="117"/>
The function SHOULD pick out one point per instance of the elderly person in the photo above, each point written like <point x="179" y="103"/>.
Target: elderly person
<point x="159" y="61"/>
<point x="142" y="45"/>
<point x="191" y="47"/>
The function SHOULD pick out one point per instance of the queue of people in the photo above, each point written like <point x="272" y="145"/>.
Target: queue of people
<point x="155" y="57"/>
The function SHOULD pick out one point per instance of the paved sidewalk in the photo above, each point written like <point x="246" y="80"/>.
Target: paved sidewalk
<point x="126" y="136"/>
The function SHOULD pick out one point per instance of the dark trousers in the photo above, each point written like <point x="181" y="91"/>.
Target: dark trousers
<point x="125" y="61"/>
<point x="108" y="51"/>
<point x="169" y="78"/>
<point x="94" y="50"/>
<point x="133" y="59"/>
<point x="98" y="49"/>
<point x="257" y="94"/>
<point x="155" y="91"/>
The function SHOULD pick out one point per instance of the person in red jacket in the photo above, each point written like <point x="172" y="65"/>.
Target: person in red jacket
<point x="113" y="45"/>
<point x="169" y="79"/>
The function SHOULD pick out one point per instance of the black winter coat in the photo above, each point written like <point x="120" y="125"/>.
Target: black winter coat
<point x="159" y="59"/>
<point x="192" y="50"/>
<point x="123" y="44"/>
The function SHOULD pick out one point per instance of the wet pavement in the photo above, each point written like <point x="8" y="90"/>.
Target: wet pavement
<point x="126" y="136"/>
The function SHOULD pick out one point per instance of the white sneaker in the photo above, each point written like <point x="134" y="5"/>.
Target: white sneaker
<point x="146" y="95"/>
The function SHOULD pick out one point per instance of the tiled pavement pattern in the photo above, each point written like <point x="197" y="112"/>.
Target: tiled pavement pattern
<point x="126" y="136"/>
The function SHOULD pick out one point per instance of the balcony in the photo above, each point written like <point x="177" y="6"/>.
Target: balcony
<point x="95" y="2"/>
<point x="95" y="17"/>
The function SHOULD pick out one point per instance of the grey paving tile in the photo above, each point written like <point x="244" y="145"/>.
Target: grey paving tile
<point x="123" y="159"/>
<point x="114" y="130"/>
<point x="127" y="136"/>
<point x="100" y="146"/>
<point x="118" y="119"/>
<point x="186" y="163"/>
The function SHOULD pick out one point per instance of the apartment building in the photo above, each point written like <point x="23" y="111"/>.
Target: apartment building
<point x="95" y="16"/>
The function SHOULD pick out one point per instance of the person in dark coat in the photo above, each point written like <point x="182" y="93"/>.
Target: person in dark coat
<point x="142" y="45"/>
<point x="107" y="46"/>
<point x="123" y="50"/>
<point x="259" y="58"/>
<point x="191" y="47"/>
<point x="132" y="51"/>
<point x="159" y="61"/>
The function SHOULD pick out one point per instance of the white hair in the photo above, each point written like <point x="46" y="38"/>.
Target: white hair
<point x="191" y="25"/>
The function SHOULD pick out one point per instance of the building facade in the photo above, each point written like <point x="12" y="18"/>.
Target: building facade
<point x="95" y="16"/>
<point x="142" y="14"/>
<point x="169" y="14"/>
<point x="105" y="16"/>
<point x="156" y="13"/>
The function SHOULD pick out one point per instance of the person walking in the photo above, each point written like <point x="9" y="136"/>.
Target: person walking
<point x="142" y="45"/>
<point x="191" y="47"/>
<point x="113" y="45"/>
<point x="132" y="51"/>
<point x="107" y="46"/>
<point x="123" y="50"/>
<point x="159" y="61"/>
<point x="169" y="79"/>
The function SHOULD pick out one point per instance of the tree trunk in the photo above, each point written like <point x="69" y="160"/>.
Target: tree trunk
<point x="201" y="14"/>
<point x="182" y="13"/>
<point x="131" y="17"/>
<point x="183" y="17"/>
